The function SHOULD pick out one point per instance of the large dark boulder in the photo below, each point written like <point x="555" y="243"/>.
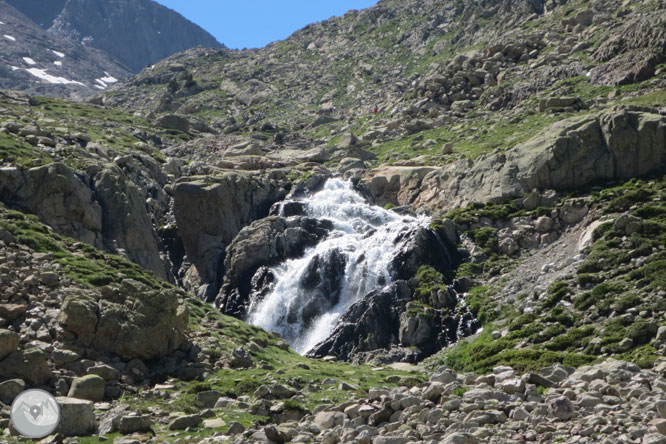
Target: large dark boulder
<point x="369" y="324"/>
<point x="263" y="243"/>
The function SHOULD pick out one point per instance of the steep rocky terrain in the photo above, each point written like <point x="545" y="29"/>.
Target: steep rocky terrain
<point x="519" y="147"/>
<point x="136" y="33"/>
<point x="35" y="61"/>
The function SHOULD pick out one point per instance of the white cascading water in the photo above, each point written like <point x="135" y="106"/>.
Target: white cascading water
<point x="364" y="235"/>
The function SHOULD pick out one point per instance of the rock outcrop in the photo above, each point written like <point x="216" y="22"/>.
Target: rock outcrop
<point x="130" y="320"/>
<point x="105" y="210"/>
<point x="211" y="211"/>
<point x="632" y="55"/>
<point x="61" y="198"/>
<point x="616" y="144"/>
<point x="126" y="223"/>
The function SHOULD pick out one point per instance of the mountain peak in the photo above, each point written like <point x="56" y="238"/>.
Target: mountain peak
<point x="137" y="33"/>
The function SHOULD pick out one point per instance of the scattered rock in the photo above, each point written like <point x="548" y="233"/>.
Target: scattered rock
<point x="173" y="122"/>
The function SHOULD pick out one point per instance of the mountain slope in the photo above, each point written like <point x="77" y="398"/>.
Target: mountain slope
<point x="434" y="61"/>
<point x="37" y="62"/>
<point x="135" y="32"/>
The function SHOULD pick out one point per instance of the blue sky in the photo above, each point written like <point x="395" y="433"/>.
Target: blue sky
<point x="255" y="23"/>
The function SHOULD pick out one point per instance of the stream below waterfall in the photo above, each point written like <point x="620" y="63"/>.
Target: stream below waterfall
<point x="311" y="293"/>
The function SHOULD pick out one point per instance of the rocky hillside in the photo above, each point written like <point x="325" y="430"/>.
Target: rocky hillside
<point x="37" y="62"/>
<point x="493" y="170"/>
<point x="136" y="33"/>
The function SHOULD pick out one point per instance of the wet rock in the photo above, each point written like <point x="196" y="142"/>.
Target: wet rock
<point x="265" y="242"/>
<point x="210" y="212"/>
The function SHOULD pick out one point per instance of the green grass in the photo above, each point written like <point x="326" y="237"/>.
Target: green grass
<point x="620" y="278"/>
<point x="483" y="353"/>
<point x="14" y="149"/>
<point x="429" y="282"/>
<point x="115" y="129"/>
<point x="82" y="263"/>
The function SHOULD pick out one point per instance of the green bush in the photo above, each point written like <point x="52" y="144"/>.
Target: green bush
<point x="486" y="239"/>
<point x="571" y="339"/>
<point x="642" y="331"/>
<point x="481" y="304"/>
<point x="626" y="302"/>
<point x="521" y="321"/>
<point x="556" y="292"/>
<point x="606" y="290"/>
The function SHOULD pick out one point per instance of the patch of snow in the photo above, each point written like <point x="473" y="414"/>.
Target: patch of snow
<point x="2" y="23"/>
<point x="59" y="54"/>
<point x="109" y="78"/>
<point x="42" y="74"/>
<point x="9" y="37"/>
<point x="99" y="87"/>
<point x="105" y="81"/>
<point x="29" y="61"/>
<point x="14" y="68"/>
<point x="588" y="74"/>
<point x="57" y="63"/>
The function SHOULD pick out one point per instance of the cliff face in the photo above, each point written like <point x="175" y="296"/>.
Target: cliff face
<point x="137" y="33"/>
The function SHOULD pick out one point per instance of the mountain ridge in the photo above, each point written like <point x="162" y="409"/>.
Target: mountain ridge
<point x="115" y="37"/>
<point x="37" y="62"/>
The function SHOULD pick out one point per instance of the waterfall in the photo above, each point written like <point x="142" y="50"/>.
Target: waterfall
<point x="309" y="294"/>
